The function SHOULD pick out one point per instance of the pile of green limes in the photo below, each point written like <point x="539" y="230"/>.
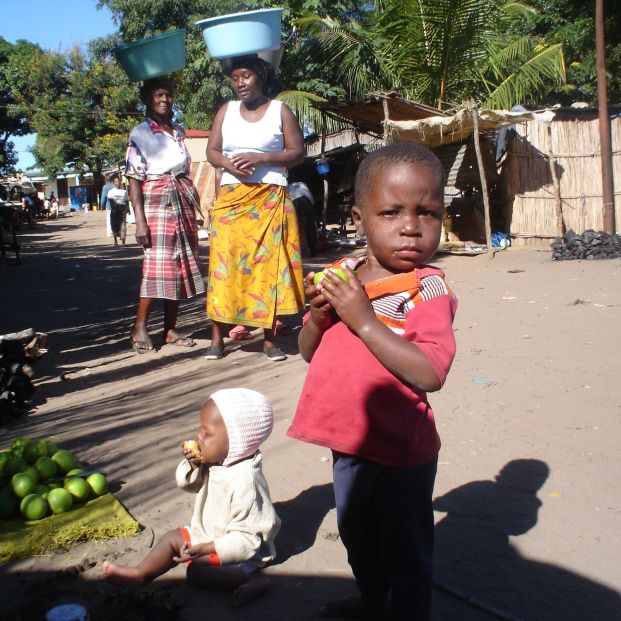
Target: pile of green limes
<point x="37" y="478"/>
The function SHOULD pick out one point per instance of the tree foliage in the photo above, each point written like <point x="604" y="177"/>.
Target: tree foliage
<point x="440" y="52"/>
<point x="14" y="118"/>
<point x="201" y="88"/>
<point x="81" y="110"/>
<point x="571" y="23"/>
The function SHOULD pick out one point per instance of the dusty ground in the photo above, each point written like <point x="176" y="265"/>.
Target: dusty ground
<point x="528" y="493"/>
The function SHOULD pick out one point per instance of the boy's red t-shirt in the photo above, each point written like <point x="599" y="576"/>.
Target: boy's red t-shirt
<point x="352" y="404"/>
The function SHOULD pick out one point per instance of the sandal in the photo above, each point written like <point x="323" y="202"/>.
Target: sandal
<point x="181" y="341"/>
<point x="275" y="354"/>
<point x="214" y="352"/>
<point x="240" y="333"/>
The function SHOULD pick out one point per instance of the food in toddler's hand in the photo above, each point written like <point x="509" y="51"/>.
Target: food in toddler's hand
<point x="319" y="276"/>
<point x="192" y="445"/>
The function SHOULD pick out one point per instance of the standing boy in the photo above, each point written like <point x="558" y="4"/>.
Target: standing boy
<point x="377" y="345"/>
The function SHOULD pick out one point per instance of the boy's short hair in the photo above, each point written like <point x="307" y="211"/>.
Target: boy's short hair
<point x="408" y="152"/>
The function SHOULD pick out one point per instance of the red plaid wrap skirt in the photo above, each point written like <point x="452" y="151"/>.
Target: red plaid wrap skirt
<point x="170" y="268"/>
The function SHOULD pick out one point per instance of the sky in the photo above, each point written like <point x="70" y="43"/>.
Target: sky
<point x="56" y="25"/>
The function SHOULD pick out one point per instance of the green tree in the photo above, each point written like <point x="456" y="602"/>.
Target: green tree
<point x="14" y="118"/>
<point x="572" y="24"/>
<point x="81" y="109"/>
<point x="440" y="52"/>
<point x="201" y="87"/>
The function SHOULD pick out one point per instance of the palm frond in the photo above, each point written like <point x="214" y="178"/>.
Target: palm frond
<point x="309" y="117"/>
<point x="529" y="77"/>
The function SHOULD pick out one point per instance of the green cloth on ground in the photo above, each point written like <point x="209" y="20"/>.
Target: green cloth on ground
<point x="101" y="518"/>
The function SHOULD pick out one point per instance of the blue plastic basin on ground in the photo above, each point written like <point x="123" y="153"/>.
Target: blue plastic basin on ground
<point x="153" y="56"/>
<point x="237" y="34"/>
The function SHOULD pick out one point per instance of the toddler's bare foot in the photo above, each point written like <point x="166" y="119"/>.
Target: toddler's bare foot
<point x="122" y="575"/>
<point x="249" y="590"/>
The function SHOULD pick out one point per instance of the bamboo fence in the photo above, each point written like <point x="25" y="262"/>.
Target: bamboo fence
<point x="553" y="169"/>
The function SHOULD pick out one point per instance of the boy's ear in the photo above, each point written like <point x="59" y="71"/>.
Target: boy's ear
<point x="356" y="216"/>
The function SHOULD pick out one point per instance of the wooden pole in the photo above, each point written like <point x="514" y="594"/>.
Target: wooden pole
<point x="386" y="137"/>
<point x="608" y="191"/>
<point x="558" y="204"/>
<point x="326" y="189"/>
<point x="477" y="148"/>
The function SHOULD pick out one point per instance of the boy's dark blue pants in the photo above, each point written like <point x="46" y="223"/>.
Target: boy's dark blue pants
<point x="385" y="519"/>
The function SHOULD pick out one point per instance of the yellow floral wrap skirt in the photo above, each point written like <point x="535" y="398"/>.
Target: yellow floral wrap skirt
<point x="255" y="259"/>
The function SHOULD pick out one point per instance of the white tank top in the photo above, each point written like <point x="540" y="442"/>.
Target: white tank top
<point x="264" y="136"/>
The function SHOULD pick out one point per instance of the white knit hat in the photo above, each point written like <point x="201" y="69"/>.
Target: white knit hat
<point x="248" y="417"/>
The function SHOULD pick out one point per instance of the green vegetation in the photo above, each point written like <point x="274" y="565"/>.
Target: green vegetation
<point x="438" y="52"/>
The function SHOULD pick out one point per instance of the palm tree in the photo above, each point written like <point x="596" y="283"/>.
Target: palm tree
<point x="439" y="52"/>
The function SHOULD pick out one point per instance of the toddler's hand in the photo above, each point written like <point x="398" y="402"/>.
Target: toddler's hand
<point x="349" y="300"/>
<point x="320" y="309"/>
<point x="190" y="553"/>
<point x="190" y="455"/>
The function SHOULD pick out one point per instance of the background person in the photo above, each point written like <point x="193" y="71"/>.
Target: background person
<point x="164" y="200"/>
<point x="104" y="203"/>
<point x="119" y="206"/>
<point x="255" y="262"/>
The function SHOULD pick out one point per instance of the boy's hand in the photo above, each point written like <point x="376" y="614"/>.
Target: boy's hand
<point x="320" y="309"/>
<point x="349" y="300"/>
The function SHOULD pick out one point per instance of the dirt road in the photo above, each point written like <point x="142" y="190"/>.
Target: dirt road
<point x="528" y="496"/>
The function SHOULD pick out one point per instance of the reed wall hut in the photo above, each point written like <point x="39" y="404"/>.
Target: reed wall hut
<point x="553" y="169"/>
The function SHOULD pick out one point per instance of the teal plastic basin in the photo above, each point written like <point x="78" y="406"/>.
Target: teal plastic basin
<point x="237" y="34"/>
<point x="153" y="56"/>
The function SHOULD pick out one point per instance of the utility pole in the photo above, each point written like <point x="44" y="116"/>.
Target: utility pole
<point x="608" y="190"/>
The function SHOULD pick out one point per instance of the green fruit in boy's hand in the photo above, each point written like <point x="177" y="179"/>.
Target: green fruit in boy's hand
<point x="319" y="276"/>
<point x="33" y="507"/>
<point x="98" y="483"/>
<point x="60" y="500"/>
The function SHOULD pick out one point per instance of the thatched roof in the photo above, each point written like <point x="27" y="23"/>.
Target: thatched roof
<point x="369" y="116"/>
<point x="435" y="131"/>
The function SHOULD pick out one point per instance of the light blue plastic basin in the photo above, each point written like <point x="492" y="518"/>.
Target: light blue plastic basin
<point x="154" y="56"/>
<point x="237" y="34"/>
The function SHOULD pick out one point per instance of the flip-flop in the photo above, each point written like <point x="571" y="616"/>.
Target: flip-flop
<point x="275" y="354"/>
<point x="142" y="350"/>
<point x="214" y="352"/>
<point x="182" y="341"/>
<point x="240" y="333"/>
